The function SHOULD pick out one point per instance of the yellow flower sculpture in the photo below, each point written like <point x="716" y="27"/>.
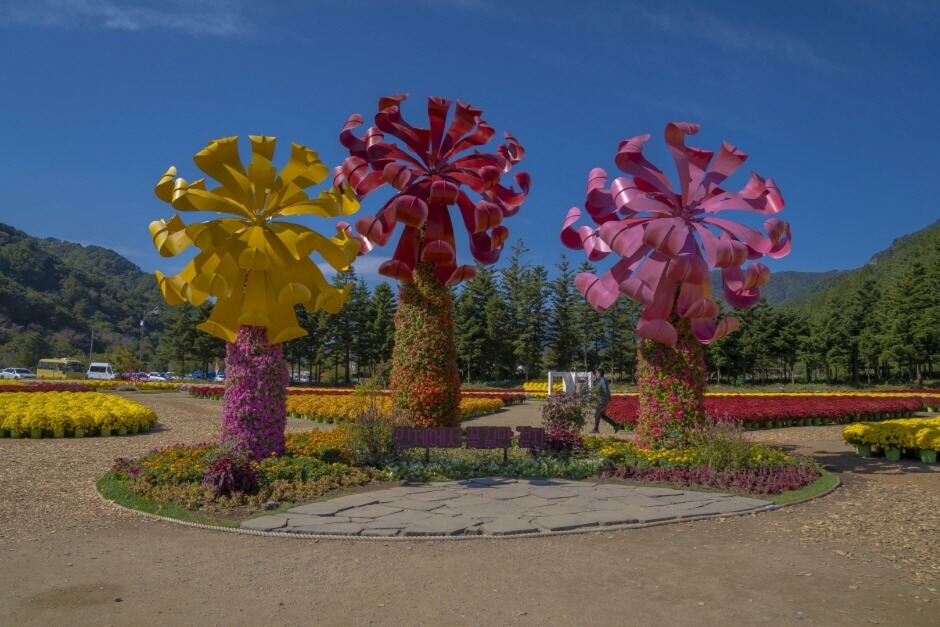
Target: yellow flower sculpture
<point x="256" y="268"/>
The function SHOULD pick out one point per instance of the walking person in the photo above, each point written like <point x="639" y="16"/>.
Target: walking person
<point x="603" y="398"/>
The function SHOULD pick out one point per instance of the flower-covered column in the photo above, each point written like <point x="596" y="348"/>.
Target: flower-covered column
<point x="434" y="172"/>
<point x="425" y="380"/>
<point x="256" y="267"/>
<point x="254" y="409"/>
<point x="671" y="385"/>
<point x="667" y="240"/>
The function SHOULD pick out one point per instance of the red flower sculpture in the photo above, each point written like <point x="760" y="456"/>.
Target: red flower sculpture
<point x="660" y="236"/>
<point x="429" y="176"/>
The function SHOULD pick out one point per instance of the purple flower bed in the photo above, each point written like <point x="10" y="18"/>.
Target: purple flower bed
<point x="766" y="480"/>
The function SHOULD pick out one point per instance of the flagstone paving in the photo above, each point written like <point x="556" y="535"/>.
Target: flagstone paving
<point x="499" y="507"/>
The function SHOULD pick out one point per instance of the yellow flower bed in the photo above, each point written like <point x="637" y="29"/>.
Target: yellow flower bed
<point x="908" y="433"/>
<point x="68" y="411"/>
<point x="309" y="443"/>
<point x="538" y="388"/>
<point x="618" y="452"/>
<point x="476" y="406"/>
<point x="334" y="407"/>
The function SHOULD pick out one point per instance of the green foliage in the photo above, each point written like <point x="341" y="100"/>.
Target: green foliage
<point x="564" y="411"/>
<point x="563" y="333"/>
<point x="59" y="289"/>
<point x="722" y="445"/>
<point x="425" y="381"/>
<point x="369" y="438"/>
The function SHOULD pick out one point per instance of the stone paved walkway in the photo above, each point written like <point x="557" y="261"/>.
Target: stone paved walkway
<point x="499" y="507"/>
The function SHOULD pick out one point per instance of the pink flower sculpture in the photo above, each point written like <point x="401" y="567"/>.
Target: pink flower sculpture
<point x="429" y="175"/>
<point x="668" y="240"/>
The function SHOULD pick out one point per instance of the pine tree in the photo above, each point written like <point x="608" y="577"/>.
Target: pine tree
<point x="907" y="315"/>
<point x="618" y="325"/>
<point x="382" y="329"/>
<point x="563" y="342"/>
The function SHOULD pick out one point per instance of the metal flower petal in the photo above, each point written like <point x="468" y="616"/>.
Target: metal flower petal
<point x="431" y="170"/>
<point x="255" y="266"/>
<point x="667" y="240"/>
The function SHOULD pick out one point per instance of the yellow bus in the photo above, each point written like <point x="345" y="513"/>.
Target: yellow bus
<point x="60" y="369"/>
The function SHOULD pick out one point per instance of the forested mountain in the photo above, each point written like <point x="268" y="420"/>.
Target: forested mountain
<point x="53" y="292"/>
<point x="789" y="286"/>
<point x="880" y="321"/>
<point x="883" y="269"/>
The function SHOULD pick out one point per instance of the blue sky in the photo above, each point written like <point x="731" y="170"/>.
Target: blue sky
<point x="834" y="99"/>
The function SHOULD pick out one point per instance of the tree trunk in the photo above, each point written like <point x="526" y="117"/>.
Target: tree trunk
<point x="425" y="378"/>
<point x="254" y="411"/>
<point x="671" y="382"/>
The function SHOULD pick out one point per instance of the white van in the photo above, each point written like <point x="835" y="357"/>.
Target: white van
<point x="99" y="370"/>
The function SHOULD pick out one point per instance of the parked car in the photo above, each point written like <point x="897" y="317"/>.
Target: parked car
<point x="132" y="376"/>
<point x="17" y="373"/>
<point x="220" y="377"/>
<point x="155" y="376"/>
<point x="99" y="370"/>
<point x="170" y="376"/>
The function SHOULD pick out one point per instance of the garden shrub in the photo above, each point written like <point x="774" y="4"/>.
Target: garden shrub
<point x="563" y="419"/>
<point x="565" y="411"/>
<point x="231" y="471"/>
<point x="721" y="445"/>
<point x="370" y="437"/>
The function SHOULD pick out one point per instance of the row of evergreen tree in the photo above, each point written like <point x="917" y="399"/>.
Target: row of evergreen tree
<point x="517" y="323"/>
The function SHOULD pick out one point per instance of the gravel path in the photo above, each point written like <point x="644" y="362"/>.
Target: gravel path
<point x="868" y="553"/>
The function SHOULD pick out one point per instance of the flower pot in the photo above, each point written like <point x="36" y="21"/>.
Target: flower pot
<point x="928" y="456"/>
<point x="35" y="433"/>
<point x="135" y="428"/>
<point x="817" y="421"/>
<point x="58" y="433"/>
<point x="79" y="433"/>
<point x="15" y="434"/>
<point x="863" y="450"/>
<point x="105" y="432"/>
<point x="892" y="453"/>
<point x="122" y="430"/>
<point x="3" y="433"/>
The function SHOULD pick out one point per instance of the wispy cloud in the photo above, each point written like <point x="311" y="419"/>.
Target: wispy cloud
<point x="694" y="24"/>
<point x="366" y="267"/>
<point x="220" y="18"/>
<point x="916" y="14"/>
<point x="468" y="5"/>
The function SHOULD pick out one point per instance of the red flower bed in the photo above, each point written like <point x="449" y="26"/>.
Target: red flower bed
<point x="47" y="387"/>
<point x="207" y="391"/>
<point x="754" y="410"/>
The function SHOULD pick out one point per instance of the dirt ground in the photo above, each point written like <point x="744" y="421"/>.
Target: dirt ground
<point x="869" y="553"/>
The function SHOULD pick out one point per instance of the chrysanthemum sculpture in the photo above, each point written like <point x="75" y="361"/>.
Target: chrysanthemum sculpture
<point x="430" y="171"/>
<point x="667" y="242"/>
<point x="256" y="267"/>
